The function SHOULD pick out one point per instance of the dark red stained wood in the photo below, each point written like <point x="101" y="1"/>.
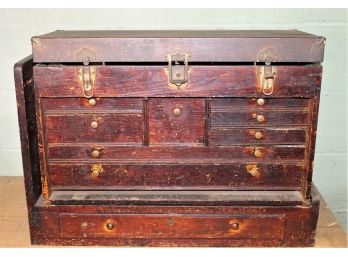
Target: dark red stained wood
<point x="143" y="177"/>
<point x="113" y="127"/>
<point x="230" y="118"/>
<point x="251" y="104"/>
<point x="153" y="46"/>
<point x="167" y="128"/>
<point x="172" y="226"/>
<point x="174" y="154"/>
<point x="152" y="81"/>
<point x="123" y="105"/>
<point x="235" y="136"/>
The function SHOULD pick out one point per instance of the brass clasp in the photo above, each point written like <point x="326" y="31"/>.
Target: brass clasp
<point x="87" y="77"/>
<point x="178" y="68"/>
<point x="267" y="73"/>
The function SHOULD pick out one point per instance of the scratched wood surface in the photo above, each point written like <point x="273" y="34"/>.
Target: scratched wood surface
<point x="14" y="230"/>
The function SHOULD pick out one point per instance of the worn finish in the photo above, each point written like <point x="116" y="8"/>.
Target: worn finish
<point x="133" y="150"/>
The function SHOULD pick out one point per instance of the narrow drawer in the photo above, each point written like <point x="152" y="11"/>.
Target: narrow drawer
<point x="231" y="136"/>
<point x="259" y="103"/>
<point x="228" y="118"/>
<point x="239" y="176"/>
<point x="94" y="127"/>
<point x="171" y="226"/>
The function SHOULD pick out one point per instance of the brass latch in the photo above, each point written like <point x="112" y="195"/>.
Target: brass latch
<point x="87" y="75"/>
<point x="178" y="68"/>
<point x="267" y="73"/>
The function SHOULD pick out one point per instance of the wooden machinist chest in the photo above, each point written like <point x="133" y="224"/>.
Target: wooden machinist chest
<point x="170" y="138"/>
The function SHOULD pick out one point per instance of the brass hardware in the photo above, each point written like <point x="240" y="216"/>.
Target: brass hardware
<point x="94" y="173"/>
<point x="96" y="169"/>
<point x="260" y="101"/>
<point x="110" y="226"/>
<point x="92" y="102"/>
<point x="94" y="124"/>
<point x="260" y="118"/>
<point x="177" y="111"/>
<point x="258" y="135"/>
<point x="87" y="77"/>
<point x="95" y="153"/>
<point x="178" y="68"/>
<point x="234" y="225"/>
<point x="253" y="170"/>
<point x="257" y="153"/>
<point x="267" y="73"/>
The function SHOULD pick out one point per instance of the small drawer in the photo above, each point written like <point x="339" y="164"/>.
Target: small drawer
<point x="231" y="136"/>
<point x="231" y="118"/>
<point x="259" y="103"/>
<point x="251" y="226"/>
<point x="241" y="176"/>
<point x="97" y="127"/>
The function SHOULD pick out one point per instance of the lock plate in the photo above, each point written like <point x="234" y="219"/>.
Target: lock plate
<point x="267" y="73"/>
<point x="178" y="68"/>
<point x="87" y="77"/>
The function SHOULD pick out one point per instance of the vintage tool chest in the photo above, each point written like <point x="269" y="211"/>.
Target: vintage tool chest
<point x="170" y="138"/>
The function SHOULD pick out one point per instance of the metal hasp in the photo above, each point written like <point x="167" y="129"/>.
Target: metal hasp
<point x="87" y="73"/>
<point x="178" y="68"/>
<point x="267" y="73"/>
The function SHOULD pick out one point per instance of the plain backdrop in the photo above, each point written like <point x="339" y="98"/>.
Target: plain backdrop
<point x="17" y="26"/>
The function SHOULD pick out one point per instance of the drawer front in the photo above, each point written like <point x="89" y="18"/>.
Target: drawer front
<point x="221" y="118"/>
<point x="176" y="121"/>
<point x="230" y="136"/>
<point x="171" y="155"/>
<point x="251" y="176"/>
<point x="171" y="226"/>
<point x="94" y="127"/>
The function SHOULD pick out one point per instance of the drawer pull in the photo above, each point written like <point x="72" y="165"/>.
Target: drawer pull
<point x="92" y="102"/>
<point x="177" y="111"/>
<point x="234" y="225"/>
<point x="95" y="153"/>
<point x="260" y="101"/>
<point x="257" y="153"/>
<point x="110" y="226"/>
<point x="260" y="118"/>
<point x="94" y="124"/>
<point x="258" y="135"/>
<point x="253" y="170"/>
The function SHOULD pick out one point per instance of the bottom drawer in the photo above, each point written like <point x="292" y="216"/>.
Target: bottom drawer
<point x="172" y="226"/>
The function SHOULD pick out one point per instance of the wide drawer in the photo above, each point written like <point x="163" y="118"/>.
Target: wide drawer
<point x="247" y="176"/>
<point x="171" y="226"/>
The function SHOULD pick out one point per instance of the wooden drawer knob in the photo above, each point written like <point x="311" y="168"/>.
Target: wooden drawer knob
<point x="94" y="124"/>
<point x="110" y="226"/>
<point x="260" y="118"/>
<point x="260" y="101"/>
<point x="258" y="135"/>
<point x="92" y="102"/>
<point x="177" y="111"/>
<point x="95" y="153"/>
<point x="257" y="153"/>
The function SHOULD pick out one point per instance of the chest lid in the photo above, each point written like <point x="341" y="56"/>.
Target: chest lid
<point x="223" y="46"/>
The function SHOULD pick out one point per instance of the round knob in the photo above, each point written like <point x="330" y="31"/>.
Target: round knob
<point x="234" y="225"/>
<point x="94" y="124"/>
<point x="92" y="102"/>
<point x="257" y="153"/>
<point x="110" y="226"/>
<point x="260" y="101"/>
<point x="177" y="111"/>
<point x="95" y="153"/>
<point x="258" y="135"/>
<point x="260" y="118"/>
<point x="94" y="174"/>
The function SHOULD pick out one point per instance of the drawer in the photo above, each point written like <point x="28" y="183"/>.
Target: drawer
<point x="230" y="136"/>
<point x="228" y="118"/>
<point x="94" y="127"/>
<point x="176" y="121"/>
<point x="124" y="105"/>
<point x="171" y="226"/>
<point x="175" y="154"/>
<point x="259" y="103"/>
<point x="251" y="176"/>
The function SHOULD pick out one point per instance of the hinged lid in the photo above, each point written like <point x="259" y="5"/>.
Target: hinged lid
<point x="154" y="46"/>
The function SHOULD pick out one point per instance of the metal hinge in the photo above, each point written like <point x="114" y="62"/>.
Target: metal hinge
<point x="87" y="74"/>
<point x="178" y="68"/>
<point x="267" y="73"/>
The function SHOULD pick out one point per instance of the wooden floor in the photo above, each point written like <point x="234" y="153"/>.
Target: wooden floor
<point x="14" y="230"/>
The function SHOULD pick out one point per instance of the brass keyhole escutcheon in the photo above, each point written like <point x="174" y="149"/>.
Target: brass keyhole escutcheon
<point x="177" y="111"/>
